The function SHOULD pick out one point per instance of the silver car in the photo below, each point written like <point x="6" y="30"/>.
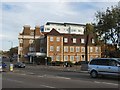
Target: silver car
<point x="104" y="66"/>
<point x="1" y="67"/>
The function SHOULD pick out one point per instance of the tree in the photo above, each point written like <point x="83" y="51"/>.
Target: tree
<point x="108" y="25"/>
<point x="13" y="51"/>
<point x="88" y="31"/>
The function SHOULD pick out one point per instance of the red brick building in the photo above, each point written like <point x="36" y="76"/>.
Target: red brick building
<point x="58" y="46"/>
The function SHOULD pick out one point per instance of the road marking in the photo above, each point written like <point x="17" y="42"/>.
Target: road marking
<point x="50" y="76"/>
<point x="47" y="86"/>
<point x="110" y="83"/>
<point x="106" y="83"/>
<point x="96" y="82"/>
<point x="14" y="80"/>
<point x="23" y="74"/>
<point x="40" y="76"/>
<point x="62" y="77"/>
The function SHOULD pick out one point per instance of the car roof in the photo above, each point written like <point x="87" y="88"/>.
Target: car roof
<point x="118" y="59"/>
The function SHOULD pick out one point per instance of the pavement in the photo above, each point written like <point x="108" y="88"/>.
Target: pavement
<point x="74" y="68"/>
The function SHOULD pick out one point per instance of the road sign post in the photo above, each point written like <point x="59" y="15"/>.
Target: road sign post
<point x="11" y="67"/>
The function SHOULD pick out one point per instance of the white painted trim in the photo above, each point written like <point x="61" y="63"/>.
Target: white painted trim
<point x="47" y="46"/>
<point x="27" y="37"/>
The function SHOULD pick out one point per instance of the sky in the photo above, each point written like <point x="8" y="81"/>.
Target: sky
<point x="14" y="15"/>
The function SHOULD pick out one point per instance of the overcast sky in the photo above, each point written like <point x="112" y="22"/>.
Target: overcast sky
<point x="17" y="14"/>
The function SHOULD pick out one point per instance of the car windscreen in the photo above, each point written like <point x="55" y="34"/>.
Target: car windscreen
<point x="118" y="60"/>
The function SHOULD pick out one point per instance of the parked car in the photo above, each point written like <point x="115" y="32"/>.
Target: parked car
<point x="4" y="65"/>
<point x="1" y="67"/>
<point x="104" y="66"/>
<point x="19" y="65"/>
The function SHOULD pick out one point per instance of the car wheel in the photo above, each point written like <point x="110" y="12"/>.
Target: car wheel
<point x="93" y="74"/>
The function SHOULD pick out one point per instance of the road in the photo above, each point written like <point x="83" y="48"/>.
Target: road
<point x="47" y="77"/>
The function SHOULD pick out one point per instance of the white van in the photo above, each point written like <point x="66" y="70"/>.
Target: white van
<point x="104" y="66"/>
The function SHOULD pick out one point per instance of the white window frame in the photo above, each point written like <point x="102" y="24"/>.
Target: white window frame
<point x="74" y="40"/>
<point x="71" y="49"/>
<point x="57" y="58"/>
<point x="58" y="39"/>
<point x="47" y="29"/>
<point x="58" y="48"/>
<point x="91" y="49"/>
<point x="51" y="48"/>
<point x="51" y="39"/>
<point x="65" y="48"/>
<point x="82" y="40"/>
<point x="93" y="41"/>
<point x="65" y="40"/>
<point x="77" y="49"/>
<point x="96" y="49"/>
<point x="82" y="49"/>
<point x="71" y="58"/>
<point x="65" y="58"/>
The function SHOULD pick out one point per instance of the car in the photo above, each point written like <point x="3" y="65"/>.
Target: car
<point x="4" y="65"/>
<point x="104" y="66"/>
<point x="19" y="65"/>
<point x="1" y="67"/>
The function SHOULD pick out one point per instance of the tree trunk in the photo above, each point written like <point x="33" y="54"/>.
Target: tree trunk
<point x="86" y="49"/>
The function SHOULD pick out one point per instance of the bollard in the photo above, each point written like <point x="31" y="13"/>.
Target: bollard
<point x="11" y="67"/>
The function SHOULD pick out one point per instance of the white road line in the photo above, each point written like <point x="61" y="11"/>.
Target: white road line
<point x="14" y="80"/>
<point x="50" y="76"/>
<point x="23" y="74"/>
<point x="110" y="83"/>
<point x="96" y="82"/>
<point x="62" y="77"/>
<point x="47" y="86"/>
<point x="40" y="76"/>
<point x="106" y="83"/>
<point x="31" y="73"/>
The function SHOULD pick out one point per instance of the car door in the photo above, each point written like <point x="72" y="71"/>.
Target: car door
<point x="103" y="66"/>
<point x="113" y="67"/>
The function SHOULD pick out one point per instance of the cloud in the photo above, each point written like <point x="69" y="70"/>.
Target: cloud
<point x="16" y="14"/>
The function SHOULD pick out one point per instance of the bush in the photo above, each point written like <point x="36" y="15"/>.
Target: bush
<point x="78" y="63"/>
<point x="69" y="63"/>
<point x="56" y="63"/>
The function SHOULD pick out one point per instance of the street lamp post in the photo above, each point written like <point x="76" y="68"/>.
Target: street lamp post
<point x="46" y="61"/>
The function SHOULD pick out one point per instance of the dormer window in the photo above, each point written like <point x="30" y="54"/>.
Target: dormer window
<point x="93" y="41"/>
<point x="74" y="40"/>
<point x="65" y="40"/>
<point x="82" y="40"/>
